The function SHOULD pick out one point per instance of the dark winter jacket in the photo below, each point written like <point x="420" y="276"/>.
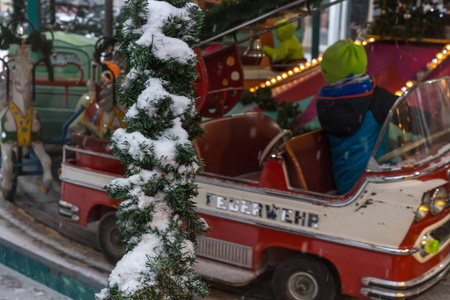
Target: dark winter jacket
<point x="352" y="116"/>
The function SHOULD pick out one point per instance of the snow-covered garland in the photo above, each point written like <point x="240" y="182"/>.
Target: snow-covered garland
<point x="156" y="216"/>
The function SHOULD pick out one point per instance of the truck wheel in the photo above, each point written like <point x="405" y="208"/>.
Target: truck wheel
<point x="109" y="239"/>
<point x="303" y="278"/>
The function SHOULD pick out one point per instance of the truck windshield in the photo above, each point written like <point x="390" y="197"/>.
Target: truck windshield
<point x="417" y="130"/>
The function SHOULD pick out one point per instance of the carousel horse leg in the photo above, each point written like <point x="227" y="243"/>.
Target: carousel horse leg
<point x="46" y="163"/>
<point x="7" y="167"/>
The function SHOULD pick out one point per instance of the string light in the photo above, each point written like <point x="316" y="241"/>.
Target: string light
<point x="303" y="67"/>
<point x="440" y="56"/>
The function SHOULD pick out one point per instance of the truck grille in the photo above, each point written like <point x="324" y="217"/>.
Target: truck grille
<point x="226" y="252"/>
<point x="442" y="234"/>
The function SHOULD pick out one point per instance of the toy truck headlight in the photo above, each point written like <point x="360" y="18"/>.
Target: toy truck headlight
<point x="438" y="200"/>
<point x="424" y="208"/>
<point x="433" y="201"/>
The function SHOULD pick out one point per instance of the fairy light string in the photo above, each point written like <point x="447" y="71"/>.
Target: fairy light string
<point x="286" y="76"/>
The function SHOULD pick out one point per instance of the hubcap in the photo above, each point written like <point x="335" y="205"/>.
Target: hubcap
<point x="115" y="240"/>
<point x="302" y="286"/>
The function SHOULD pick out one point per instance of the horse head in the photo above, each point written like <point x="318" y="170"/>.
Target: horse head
<point x="22" y="75"/>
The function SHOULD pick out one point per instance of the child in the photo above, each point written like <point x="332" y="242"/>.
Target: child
<point x="351" y="110"/>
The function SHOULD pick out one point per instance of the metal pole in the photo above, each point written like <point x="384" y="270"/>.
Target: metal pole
<point x="266" y="29"/>
<point x="253" y="21"/>
<point x="108" y="18"/>
<point x="52" y="12"/>
<point x="34" y="13"/>
<point x="315" y="35"/>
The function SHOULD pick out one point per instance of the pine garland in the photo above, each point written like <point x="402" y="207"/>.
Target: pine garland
<point x="36" y="40"/>
<point x="288" y="113"/>
<point x="156" y="215"/>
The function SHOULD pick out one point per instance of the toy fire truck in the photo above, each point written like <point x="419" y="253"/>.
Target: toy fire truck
<point x="271" y="202"/>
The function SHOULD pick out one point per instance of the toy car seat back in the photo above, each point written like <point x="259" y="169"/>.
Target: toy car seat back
<point x="104" y="164"/>
<point x="308" y="160"/>
<point x="225" y="81"/>
<point x="231" y="146"/>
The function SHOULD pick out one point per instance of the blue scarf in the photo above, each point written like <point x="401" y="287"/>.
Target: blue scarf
<point x="349" y="86"/>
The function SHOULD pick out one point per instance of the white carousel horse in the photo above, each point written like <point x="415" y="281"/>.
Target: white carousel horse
<point x="19" y="123"/>
<point x="99" y="118"/>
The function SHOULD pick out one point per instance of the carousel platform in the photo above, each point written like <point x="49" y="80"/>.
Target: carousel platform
<point x="30" y="245"/>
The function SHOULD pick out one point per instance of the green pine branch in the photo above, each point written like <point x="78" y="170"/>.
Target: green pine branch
<point x="288" y="113"/>
<point x="156" y="214"/>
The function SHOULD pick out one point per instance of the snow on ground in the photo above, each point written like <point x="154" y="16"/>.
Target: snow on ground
<point x="29" y="237"/>
<point x="15" y="286"/>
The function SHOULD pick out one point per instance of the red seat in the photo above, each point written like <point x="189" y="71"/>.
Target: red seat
<point x="308" y="160"/>
<point x="96" y="162"/>
<point x="232" y="145"/>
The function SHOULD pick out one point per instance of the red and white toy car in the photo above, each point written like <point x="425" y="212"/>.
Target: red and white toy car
<point x="274" y="205"/>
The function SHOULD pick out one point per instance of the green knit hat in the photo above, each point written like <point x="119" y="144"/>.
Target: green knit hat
<point x="342" y="59"/>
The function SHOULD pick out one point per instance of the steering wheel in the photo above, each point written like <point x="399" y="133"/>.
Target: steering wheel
<point x="405" y="149"/>
<point x="272" y="145"/>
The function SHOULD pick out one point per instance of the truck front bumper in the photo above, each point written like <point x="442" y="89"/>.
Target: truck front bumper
<point x="68" y="210"/>
<point x="375" y="288"/>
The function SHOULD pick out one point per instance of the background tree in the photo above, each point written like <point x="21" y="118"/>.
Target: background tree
<point x="409" y="18"/>
<point x="83" y="17"/>
<point x="19" y="9"/>
<point x="156" y="215"/>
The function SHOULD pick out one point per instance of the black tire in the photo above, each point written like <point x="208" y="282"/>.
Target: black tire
<point x="11" y="194"/>
<point x="303" y="278"/>
<point x="109" y="239"/>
